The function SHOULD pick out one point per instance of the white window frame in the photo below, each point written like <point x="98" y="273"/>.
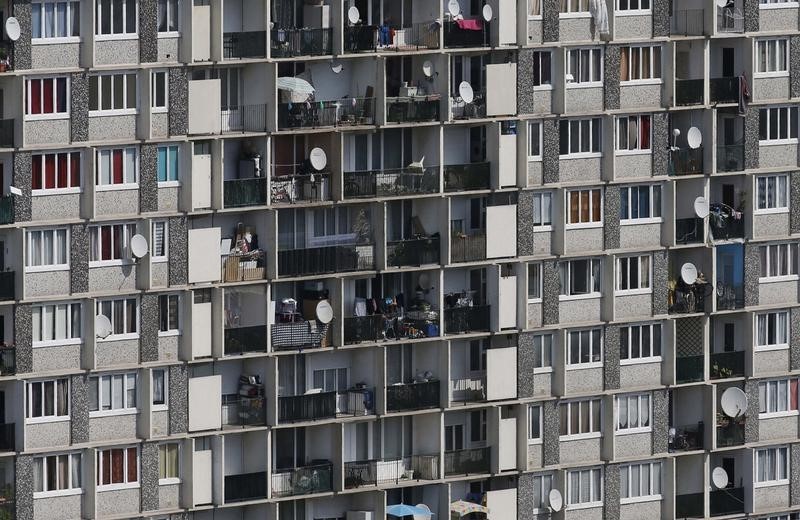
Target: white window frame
<point x="769" y="391"/>
<point x="44" y="40"/>
<point x="580" y="154"/>
<point x="31" y="419"/>
<point x="99" y="454"/>
<point x="623" y="269"/>
<point x="528" y="9"/>
<point x="780" y="316"/>
<point x="580" y="13"/>
<point x="591" y="333"/>
<point x="55" y="307"/>
<point x="540" y="52"/>
<point x="29" y="116"/>
<point x="637" y="400"/>
<point x="788" y="257"/>
<point x="170" y="331"/>
<point x="565" y="292"/>
<point x="41" y="157"/>
<point x="544" y="341"/>
<point x="165" y="249"/>
<point x="535" y="418"/>
<point x="777" y="4"/>
<point x="96" y="239"/>
<point x="544" y="491"/>
<point x="641" y="49"/>
<point x="126" y="408"/>
<point x="770" y="46"/>
<point x="635" y="119"/>
<point x="536" y="266"/>
<point x="584" y="193"/>
<point x="654" y="468"/>
<point x="171" y="183"/>
<point x="538" y="197"/>
<point x="126" y="34"/>
<point x="594" y="493"/>
<point x="637" y="11"/>
<point x="165" y="405"/>
<point x="653" y="328"/>
<point x="56" y="243"/>
<point x="781" y="456"/>
<point x="170" y="480"/>
<point x="124" y="302"/>
<point x="72" y="488"/>
<point x="126" y="184"/>
<point x="168" y="33"/>
<point x="627" y="192"/>
<point x="782" y="199"/>
<point x="584" y="84"/>
<point x="591" y="403"/>
<point x="539" y="142"/>
<point x="100" y="78"/>
<point x="154" y="107"/>
<point x="787" y="115"/>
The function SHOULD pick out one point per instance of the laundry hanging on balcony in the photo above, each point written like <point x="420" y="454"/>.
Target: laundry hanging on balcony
<point x="744" y="93"/>
<point x="599" y="12"/>
<point x="462" y="508"/>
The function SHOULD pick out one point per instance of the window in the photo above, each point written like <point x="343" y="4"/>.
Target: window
<point x="331" y="379"/>
<point x="112" y="393"/>
<point x="116" y="166"/>
<point x="585" y="347"/>
<point x="168" y="462"/>
<point x="777" y="124"/>
<point x="581" y="417"/>
<point x="46" y="96"/>
<point x="534" y="140"/>
<point x="772" y="56"/>
<point x="111" y="242"/>
<point x="640" y="203"/>
<point x="542" y="68"/>
<point x="633" y="133"/>
<point x="579" y="136"/>
<point x="112" y="92"/>
<point x="158" y="90"/>
<point x="584" y="487"/>
<point x="55" y="171"/>
<point x="633" y="274"/>
<point x="534" y="424"/>
<point x="542" y="352"/>
<point x="56" y="323"/>
<point x="772" y="330"/>
<point x="50" y="20"/>
<point x="56" y="474"/>
<point x="640" y="343"/>
<point x="778" y="260"/>
<point x="574" y="6"/>
<point x="115" y="17"/>
<point x="534" y="282"/>
<point x="123" y="314"/>
<point x="542" y="484"/>
<point x="534" y="8"/>
<point x="117" y="467"/>
<point x="772" y="192"/>
<point x="772" y="466"/>
<point x="168" y="163"/>
<point x="777" y="3"/>
<point x="585" y="206"/>
<point x="633" y="413"/>
<point x="542" y="207"/>
<point x="169" y="314"/>
<point x="639" y="482"/>
<point x="168" y="15"/>
<point x="633" y="5"/>
<point x="160" y="382"/>
<point x="47" y="400"/>
<point x="159" y="240"/>
<point x="584" y="66"/>
<point x="47" y="248"/>
<point x="777" y="397"/>
<point x="580" y="277"/>
<point x="639" y="62"/>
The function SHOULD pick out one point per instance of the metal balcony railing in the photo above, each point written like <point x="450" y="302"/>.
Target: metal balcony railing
<point x="466" y="177"/>
<point x="328" y="259"/>
<point x="8" y="360"/>
<point x="243" y="118"/>
<point x="689" y="369"/>
<point x="730" y="296"/>
<point x="289" y="43"/>
<point x="307" y="407"/>
<point x="412" y="396"/>
<point x="242" y="340"/>
<point x="475" y="110"/>
<point x="689" y="230"/>
<point x="365" y="328"/>
<point x="392" y="471"/>
<point x="238" y="267"/>
<point x="299" y="335"/>
<point x="415" y="251"/>
<point x="420" y="35"/>
<point x="727" y="364"/>
<point x="7" y="291"/>
<point x="347" y="111"/>
<point x="468" y="389"/>
<point x="391" y="182"/>
<point x="725" y="223"/>
<point x="306" y="480"/>
<point x="688" y="22"/>
<point x="726" y="501"/>
<point x="688" y="299"/>
<point x="249" y="44"/>
<point x="7" y="209"/>
<point x="689" y="505"/>
<point x="244" y="411"/>
<point x="688" y="92"/>
<point x="686" y="161"/>
<point x="246" y="486"/>
<point x="360" y="38"/>
<point x="730" y="20"/>
<point x="467" y="462"/>
<point x="468" y="248"/>
<point x="731" y="433"/>
<point x="310" y="187"/>
<point x="724" y="90"/>
<point x="455" y="36"/>
<point x="730" y="157"/>
<point x="244" y="192"/>
<point x="466" y="319"/>
<point x="688" y="438"/>
<point x="412" y="109"/>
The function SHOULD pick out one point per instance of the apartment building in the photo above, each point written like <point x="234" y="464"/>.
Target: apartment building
<point x="322" y="259"/>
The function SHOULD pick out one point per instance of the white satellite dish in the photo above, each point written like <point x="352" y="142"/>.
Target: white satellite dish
<point x="694" y="138"/>
<point x="453" y="7"/>
<point x="427" y="68"/>
<point x="15" y="191"/>
<point x="12" y="29"/>
<point x="353" y="15"/>
<point x="318" y="159"/>
<point x="102" y="326"/>
<point x="336" y="67"/>
<point x="722" y="3"/>
<point x="719" y="477"/>
<point x="688" y="273"/>
<point x="139" y="247"/>
<point x="324" y="312"/>
<point x="569" y="78"/>
<point x="466" y="92"/>
<point x="701" y="207"/>
<point x="487" y="13"/>
<point x="733" y="402"/>
<point x="425" y="516"/>
<point x="555" y="500"/>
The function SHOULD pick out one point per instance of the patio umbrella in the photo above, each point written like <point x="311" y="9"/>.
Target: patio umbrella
<point x="296" y="85"/>
<point x="462" y="507"/>
<point x="401" y="510"/>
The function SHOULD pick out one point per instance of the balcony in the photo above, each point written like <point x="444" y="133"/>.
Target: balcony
<point x="307" y="407"/>
<point x="8" y="358"/>
<point x="466" y="319"/>
<point x="730" y="20"/>
<point x="466" y="34"/>
<point x="365" y="328"/>
<point x="320" y="114"/>
<point x="724" y="90"/>
<point x="416" y="109"/>
<point x="247" y="486"/>
<point x="687" y="22"/>
<point x="728" y="501"/>
<point x="687" y="438"/>
<point x="7" y="285"/>
<point x="291" y="43"/>
<point x="468" y="389"/>
<point x="250" y="44"/>
<point x="244" y="340"/>
<point x="245" y="192"/>
<point x="6" y="133"/>
<point x="688" y="92"/>
<point x="468" y="248"/>
<point x="244" y="411"/>
<point x="686" y="161"/>
<point x="689" y="369"/>
<point x="730" y="296"/>
<point x="238" y="267"/>
<point x="391" y="183"/>
<point x="727" y="364"/>
<point x="689" y="505"/>
<point x="310" y="187"/>
<point x="360" y="38"/>
<point x="467" y="177"/>
<point x="306" y="480"/>
<point x="243" y="118"/>
<point x="323" y="260"/>
<point x="415" y="251"/>
<point x="420" y="35"/>
<point x="7" y="209"/>
<point x="467" y="462"/>
<point x="7" y="437"/>
<point x="299" y="335"/>
<point x="412" y="396"/>
<point x="730" y="432"/>
<point x="688" y="299"/>
<point x="725" y="222"/>
<point x="730" y="158"/>
<point x="689" y="230"/>
<point x="474" y="110"/>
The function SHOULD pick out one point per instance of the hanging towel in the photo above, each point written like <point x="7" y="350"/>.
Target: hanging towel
<point x="744" y="93"/>
<point x="472" y="24"/>
<point x="599" y="12"/>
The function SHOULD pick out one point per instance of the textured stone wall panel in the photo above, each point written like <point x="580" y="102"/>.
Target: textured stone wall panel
<point x="79" y="259"/>
<point x="794" y="203"/>
<point x="178" y="251"/>
<point x="611" y="210"/>
<point x="611" y="353"/>
<point x="148" y="329"/>
<point x="751" y="136"/>
<point x="794" y="347"/>
<point x="148" y="31"/>
<point x="148" y="178"/>
<point x="752" y="265"/>
<point x="178" y="399"/>
<point x="550" y="151"/>
<point x="22" y="180"/>
<point x="23" y="339"/>
<point x="79" y="107"/>
<point x="660" y="281"/>
<point x="178" y="101"/>
<point x="23" y="487"/>
<point x="661" y="18"/>
<point x="551" y="424"/>
<point x="611" y="77"/>
<point x="660" y="421"/>
<point x="660" y="144"/>
<point x="751" y="427"/>
<point x="611" y="493"/>
<point x="550" y="20"/>
<point x="525" y="82"/>
<point x="794" y="482"/>
<point x="79" y="409"/>
<point x="525" y="503"/>
<point x="149" y="479"/>
<point x="22" y="47"/>
<point x="525" y="223"/>
<point x="551" y="288"/>
<point x="525" y="365"/>
<point x="751" y="15"/>
<point x="794" y="66"/>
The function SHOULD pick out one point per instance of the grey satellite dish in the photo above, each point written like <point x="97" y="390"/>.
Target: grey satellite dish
<point x="555" y="500"/>
<point x="688" y="273"/>
<point x="424" y="281"/>
<point x="487" y="13"/>
<point x="719" y="477"/>
<point x="139" y="248"/>
<point x="427" y="68"/>
<point x="324" y="312"/>
<point x="12" y="29"/>
<point x="701" y="207"/>
<point x="733" y="402"/>
<point x="694" y="138"/>
<point x="453" y="7"/>
<point x="466" y="92"/>
<point x="102" y="326"/>
<point x="353" y="15"/>
<point x="318" y="159"/>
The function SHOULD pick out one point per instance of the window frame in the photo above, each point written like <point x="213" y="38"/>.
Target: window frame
<point x="125" y="110"/>
<point x="96" y="232"/>
<point x="179" y="326"/>
<point x="55" y="417"/>
<point x="588" y="193"/>
<point x="591" y="83"/>
<point x="542" y="226"/>
<point x="537" y="297"/>
<point x="766" y="41"/>
<point x="578" y="365"/>
<point x="537" y="61"/>
<point x="170" y="183"/>
<point x="592" y="503"/>
<point x="782" y="201"/>
<point x="626" y="193"/>
<point x="618" y="149"/>
<point x="655" y="467"/>
<point x="125" y="185"/>
<point x="125" y="34"/>
<point x="791" y="261"/>
<point x="535" y="418"/>
<point x="168" y="33"/>
<point x="581" y="154"/>
<point x="535" y="157"/>
<point x="784" y="113"/>
<point x="767" y="397"/>
<point x="639" y="11"/>
<point x="777" y="4"/>
<point x="162" y="481"/>
<point x="155" y="108"/>
<point x="638" y="398"/>
<point x="787" y="332"/>
<point x="565" y="293"/>
<point x="165" y="256"/>
<point x="71" y="339"/>
<point x="780" y="452"/>
<point x="159" y="406"/>
<point x="591" y="434"/>
<point x="638" y="259"/>
<point x="124" y="301"/>
<point x="28" y="114"/>
<point x="126" y="408"/>
<point x="72" y="488"/>
<point x="630" y="360"/>
<point x="42" y="267"/>
<point x="100" y="455"/>
<point x="581" y="13"/>
<point x="656" y="64"/>
<point x="44" y="40"/>
<point x="539" y="481"/>
<point x="41" y="158"/>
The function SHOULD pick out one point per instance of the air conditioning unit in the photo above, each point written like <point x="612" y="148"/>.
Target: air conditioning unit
<point x="360" y="515"/>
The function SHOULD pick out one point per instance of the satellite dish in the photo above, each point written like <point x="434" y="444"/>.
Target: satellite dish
<point x="701" y="207"/>
<point x="466" y="92"/>
<point x="102" y="326"/>
<point x="719" y="477"/>
<point x="694" y="138"/>
<point x="139" y="247"/>
<point x="453" y="7"/>
<point x="424" y="281"/>
<point x="569" y="77"/>
<point x="555" y="500"/>
<point x="689" y="273"/>
<point x="733" y="402"/>
<point x="487" y="13"/>
<point x="722" y="3"/>
<point x="427" y="68"/>
<point x="318" y="159"/>
<point x="12" y="29"/>
<point x="324" y="312"/>
<point x="336" y="67"/>
<point x="353" y="15"/>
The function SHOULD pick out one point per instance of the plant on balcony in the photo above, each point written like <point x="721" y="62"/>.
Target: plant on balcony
<point x="362" y="228"/>
<point x="720" y="372"/>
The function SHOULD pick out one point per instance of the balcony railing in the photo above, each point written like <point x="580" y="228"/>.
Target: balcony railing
<point x="689" y="369"/>
<point x="689" y="299"/>
<point x="7" y="209"/>
<point x="244" y="411"/>
<point x="310" y="187"/>
<point x="391" y="183"/>
<point x="250" y="44"/>
<point x="412" y="109"/>
<point x="467" y="462"/>
<point x="243" y="118"/>
<point x="686" y="161"/>
<point x="688" y="92"/>
<point x="730" y="20"/>
<point x="466" y="177"/>
<point x="412" y="396"/>
<point x="474" y="110"/>
<point x="420" y="35"/>
<point x="727" y="364"/>
<point x="329" y="259"/>
<point x="688" y="230"/>
<point x="6" y="133"/>
<point x="306" y="480"/>
<point x="339" y="112"/>
<point x="730" y="158"/>
<point x="466" y="319"/>
<point x="245" y="192"/>
<point x="688" y="22"/>
<point x="289" y="43"/>
<point x="688" y="438"/>
<point x="7" y="285"/>
<point x="730" y="296"/>
<point x="242" y="340"/>
<point x="8" y="360"/>
<point x="238" y="267"/>
<point x="307" y="407"/>
<point x="724" y="224"/>
<point x="365" y="328"/>
<point x="726" y="501"/>
<point x="468" y="248"/>
<point x="379" y="472"/>
<point x="474" y="34"/>
<point x="730" y="433"/>
<point x="724" y="90"/>
<point x="468" y="389"/>
<point x="246" y="486"/>
<point x="299" y="335"/>
<point x="7" y="437"/>
<point x="689" y="505"/>
<point x="415" y="251"/>
<point x="360" y="38"/>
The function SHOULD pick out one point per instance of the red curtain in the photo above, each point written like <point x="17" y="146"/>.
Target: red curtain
<point x="793" y="396"/>
<point x="62" y="182"/>
<point x="50" y="171"/>
<point x="36" y="96"/>
<point x="644" y="133"/>
<point x="36" y="172"/>
<point x="75" y="169"/>
<point x="105" y="245"/>
<point x="133" y="470"/>
<point x="116" y="167"/>
<point x="47" y="96"/>
<point x="117" y="466"/>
